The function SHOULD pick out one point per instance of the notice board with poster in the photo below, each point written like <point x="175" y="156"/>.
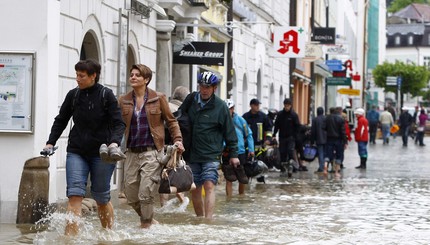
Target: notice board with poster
<point x="16" y="92"/>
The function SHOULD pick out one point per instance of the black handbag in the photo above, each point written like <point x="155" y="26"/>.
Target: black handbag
<point x="176" y="176"/>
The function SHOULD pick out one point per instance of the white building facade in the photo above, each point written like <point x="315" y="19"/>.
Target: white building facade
<point x="256" y="73"/>
<point x="59" y="34"/>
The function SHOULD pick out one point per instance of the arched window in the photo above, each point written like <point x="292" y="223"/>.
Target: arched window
<point x="397" y="40"/>
<point x="245" y="99"/>
<point x="259" y="87"/>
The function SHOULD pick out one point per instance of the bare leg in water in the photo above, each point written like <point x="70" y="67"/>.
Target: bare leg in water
<point x="74" y="207"/>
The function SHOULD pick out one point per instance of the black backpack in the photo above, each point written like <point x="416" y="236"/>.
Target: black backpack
<point x="185" y="125"/>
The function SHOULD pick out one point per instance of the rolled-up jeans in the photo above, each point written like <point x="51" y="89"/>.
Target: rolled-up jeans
<point x="78" y="167"/>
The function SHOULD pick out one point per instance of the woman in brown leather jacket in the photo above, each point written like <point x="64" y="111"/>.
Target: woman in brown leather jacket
<point x="144" y="112"/>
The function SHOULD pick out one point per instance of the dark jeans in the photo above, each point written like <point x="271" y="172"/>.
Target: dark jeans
<point x="373" y="127"/>
<point x="334" y="150"/>
<point x="405" y="133"/>
<point x="286" y="149"/>
<point x="321" y="149"/>
<point x="420" y="136"/>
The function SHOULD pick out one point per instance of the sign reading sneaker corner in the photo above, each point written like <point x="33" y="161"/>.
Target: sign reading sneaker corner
<point x="205" y="53"/>
<point x="289" y="42"/>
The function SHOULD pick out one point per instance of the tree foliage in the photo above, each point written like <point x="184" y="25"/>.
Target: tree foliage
<point x="397" y="5"/>
<point x="414" y="78"/>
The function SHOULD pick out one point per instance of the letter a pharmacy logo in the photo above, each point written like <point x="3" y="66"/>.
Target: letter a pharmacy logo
<point x="289" y="42"/>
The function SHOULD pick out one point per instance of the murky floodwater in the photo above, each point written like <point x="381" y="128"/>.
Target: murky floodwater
<point x="302" y="211"/>
<point x="384" y="205"/>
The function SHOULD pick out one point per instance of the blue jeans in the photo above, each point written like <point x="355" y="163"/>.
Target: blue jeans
<point x="204" y="171"/>
<point x="362" y="149"/>
<point x="334" y="150"/>
<point x="321" y="149"/>
<point x="405" y="134"/>
<point x="77" y="170"/>
<point x="385" y="128"/>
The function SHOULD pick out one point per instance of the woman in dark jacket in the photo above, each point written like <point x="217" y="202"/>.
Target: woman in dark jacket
<point x="97" y="120"/>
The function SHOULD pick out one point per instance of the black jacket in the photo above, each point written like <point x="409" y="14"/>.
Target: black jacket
<point x="405" y="119"/>
<point x="287" y="123"/>
<point x="335" y="127"/>
<point x="318" y="130"/>
<point x="253" y="119"/>
<point x="96" y="117"/>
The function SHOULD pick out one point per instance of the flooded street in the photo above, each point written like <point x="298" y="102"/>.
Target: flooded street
<point x="387" y="204"/>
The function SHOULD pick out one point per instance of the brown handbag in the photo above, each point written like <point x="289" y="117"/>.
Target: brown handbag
<point x="176" y="176"/>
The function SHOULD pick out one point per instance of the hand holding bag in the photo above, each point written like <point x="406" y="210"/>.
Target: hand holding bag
<point x="310" y="152"/>
<point x="176" y="176"/>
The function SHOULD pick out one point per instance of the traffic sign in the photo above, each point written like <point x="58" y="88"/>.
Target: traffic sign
<point x="349" y="91"/>
<point x="334" y="81"/>
<point x="391" y="81"/>
<point x="334" y="65"/>
<point x="399" y="82"/>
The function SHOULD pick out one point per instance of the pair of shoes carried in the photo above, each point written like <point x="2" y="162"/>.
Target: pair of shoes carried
<point x="111" y="154"/>
<point x="229" y="173"/>
<point x="241" y="175"/>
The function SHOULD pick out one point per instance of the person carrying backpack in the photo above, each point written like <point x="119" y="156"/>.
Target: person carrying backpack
<point x="97" y="120"/>
<point x="211" y="126"/>
<point x="245" y="145"/>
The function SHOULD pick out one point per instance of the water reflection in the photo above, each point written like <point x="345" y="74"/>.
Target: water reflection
<point x="305" y="210"/>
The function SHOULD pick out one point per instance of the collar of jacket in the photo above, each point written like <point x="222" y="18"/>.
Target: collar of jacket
<point x="92" y="88"/>
<point x="152" y="96"/>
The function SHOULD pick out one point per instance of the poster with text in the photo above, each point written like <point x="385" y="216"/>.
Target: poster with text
<point x="16" y="81"/>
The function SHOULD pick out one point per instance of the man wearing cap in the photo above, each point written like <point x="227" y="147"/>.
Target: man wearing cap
<point x="405" y="121"/>
<point x="361" y="136"/>
<point x="211" y="126"/>
<point x="259" y="123"/>
<point x="288" y="124"/>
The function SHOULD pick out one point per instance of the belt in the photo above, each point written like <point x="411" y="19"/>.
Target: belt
<point x="141" y="149"/>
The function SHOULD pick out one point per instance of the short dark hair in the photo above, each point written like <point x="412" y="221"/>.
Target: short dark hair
<point x="89" y="66"/>
<point x="288" y="101"/>
<point x="145" y="71"/>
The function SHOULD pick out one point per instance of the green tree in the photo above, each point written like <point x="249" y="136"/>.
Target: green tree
<point x="414" y="78"/>
<point x="397" y="5"/>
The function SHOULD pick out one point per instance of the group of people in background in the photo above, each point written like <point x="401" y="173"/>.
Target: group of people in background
<point x="409" y="125"/>
<point x="134" y="127"/>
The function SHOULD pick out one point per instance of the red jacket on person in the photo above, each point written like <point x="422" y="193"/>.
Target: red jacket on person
<point x="361" y="132"/>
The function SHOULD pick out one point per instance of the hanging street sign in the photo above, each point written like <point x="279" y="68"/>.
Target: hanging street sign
<point x="391" y="81"/>
<point x="204" y="53"/>
<point x="324" y="35"/>
<point x="338" y="81"/>
<point x="349" y="91"/>
<point x="334" y="65"/>
<point x="289" y="42"/>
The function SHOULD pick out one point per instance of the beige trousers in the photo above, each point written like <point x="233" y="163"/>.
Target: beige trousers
<point x="141" y="182"/>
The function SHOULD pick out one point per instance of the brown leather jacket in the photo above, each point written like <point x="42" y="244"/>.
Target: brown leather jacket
<point x="157" y="111"/>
